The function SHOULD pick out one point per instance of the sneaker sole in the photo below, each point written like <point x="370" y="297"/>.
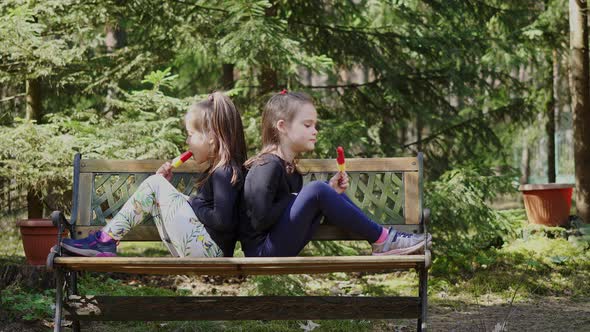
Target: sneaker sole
<point x="87" y="252"/>
<point x="404" y="251"/>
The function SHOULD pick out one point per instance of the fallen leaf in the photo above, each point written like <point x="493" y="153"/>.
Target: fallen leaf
<point x="309" y="326"/>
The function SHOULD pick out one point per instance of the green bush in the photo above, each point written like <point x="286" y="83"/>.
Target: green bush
<point x="147" y="125"/>
<point x="37" y="157"/>
<point x="464" y="227"/>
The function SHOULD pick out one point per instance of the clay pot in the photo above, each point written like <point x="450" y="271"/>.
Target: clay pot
<point x="38" y="236"/>
<point x="547" y="204"/>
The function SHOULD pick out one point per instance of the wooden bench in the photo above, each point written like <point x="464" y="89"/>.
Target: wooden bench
<point x="389" y="190"/>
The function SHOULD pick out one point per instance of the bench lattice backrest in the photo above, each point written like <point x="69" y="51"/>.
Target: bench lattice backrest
<point x="389" y="190"/>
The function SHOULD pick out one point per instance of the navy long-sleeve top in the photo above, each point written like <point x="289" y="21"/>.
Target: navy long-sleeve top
<point x="218" y="206"/>
<point x="268" y="191"/>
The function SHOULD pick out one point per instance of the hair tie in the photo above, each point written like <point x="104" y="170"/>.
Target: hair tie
<point x="284" y="92"/>
<point x="210" y="97"/>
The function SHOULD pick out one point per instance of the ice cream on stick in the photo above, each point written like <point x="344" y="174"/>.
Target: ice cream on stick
<point x="340" y="159"/>
<point x="181" y="159"/>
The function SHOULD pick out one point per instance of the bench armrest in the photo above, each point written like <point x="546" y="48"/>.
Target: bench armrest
<point x="58" y="217"/>
<point x="62" y="223"/>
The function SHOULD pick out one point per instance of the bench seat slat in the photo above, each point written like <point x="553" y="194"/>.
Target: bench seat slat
<point x="151" y="308"/>
<point x="240" y="265"/>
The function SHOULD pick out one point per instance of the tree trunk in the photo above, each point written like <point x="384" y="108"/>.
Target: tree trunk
<point x="268" y="80"/>
<point x="403" y="137"/>
<point x="388" y="134"/>
<point x="419" y="127"/>
<point x="550" y="124"/>
<point x="525" y="164"/>
<point x="34" y="112"/>
<point x="33" y="90"/>
<point x="228" y="76"/>
<point x="34" y="205"/>
<point x="114" y="38"/>
<point x="580" y="103"/>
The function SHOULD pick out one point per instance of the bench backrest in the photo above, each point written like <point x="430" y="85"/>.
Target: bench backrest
<point x="389" y="190"/>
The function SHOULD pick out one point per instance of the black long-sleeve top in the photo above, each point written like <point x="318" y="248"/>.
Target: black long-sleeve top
<point x="268" y="191"/>
<point x="218" y="206"/>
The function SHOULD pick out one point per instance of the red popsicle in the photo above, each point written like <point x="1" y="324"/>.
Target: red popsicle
<point x="340" y="159"/>
<point x="181" y="159"/>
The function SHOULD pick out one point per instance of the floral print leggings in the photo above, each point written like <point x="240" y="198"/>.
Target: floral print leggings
<point x="180" y="230"/>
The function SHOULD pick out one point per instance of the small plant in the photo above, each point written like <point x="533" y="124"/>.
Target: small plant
<point x="19" y="303"/>
<point x="463" y="225"/>
<point x="278" y="285"/>
<point x="160" y="78"/>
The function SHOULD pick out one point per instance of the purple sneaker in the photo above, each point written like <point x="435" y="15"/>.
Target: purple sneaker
<point x="90" y="246"/>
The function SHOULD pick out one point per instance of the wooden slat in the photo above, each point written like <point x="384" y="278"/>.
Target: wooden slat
<point x="306" y="165"/>
<point x="151" y="308"/>
<point x="84" y="199"/>
<point x="325" y="232"/>
<point x="240" y="265"/>
<point x="360" y="164"/>
<point x="411" y="198"/>
<point x="135" y="166"/>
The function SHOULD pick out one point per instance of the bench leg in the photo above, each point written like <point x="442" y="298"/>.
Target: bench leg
<point x="59" y="299"/>
<point x="423" y="294"/>
<point x="73" y="290"/>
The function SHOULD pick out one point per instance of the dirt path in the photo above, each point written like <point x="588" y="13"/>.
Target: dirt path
<point x="540" y="314"/>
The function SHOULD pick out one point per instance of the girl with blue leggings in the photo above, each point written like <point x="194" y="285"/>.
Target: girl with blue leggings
<point x="282" y="214"/>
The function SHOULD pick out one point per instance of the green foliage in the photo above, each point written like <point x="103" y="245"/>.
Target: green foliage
<point x="41" y="39"/>
<point x="30" y="306"/>
<point x="462" y="223"/>
<point x="253" y="37"/>
<point x="446" y="67"/>
<point x="354" y="136"/>
<point x="160" y="78"/>
<point x="12" y="249"/>
<point x="37" y="157"/>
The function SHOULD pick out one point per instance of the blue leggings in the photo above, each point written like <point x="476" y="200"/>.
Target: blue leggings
<point x="302" y="218"/>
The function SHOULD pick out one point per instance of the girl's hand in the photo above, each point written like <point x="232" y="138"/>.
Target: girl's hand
<point x="339" y="182"/>
<point x="165" y="170"/>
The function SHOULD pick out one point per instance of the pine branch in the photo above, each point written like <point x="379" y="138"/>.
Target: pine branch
<point x="346" y="86"/>
<point x="13" y="97"/>
<point x="462" y="124"/>
<point x="195" y="6"/>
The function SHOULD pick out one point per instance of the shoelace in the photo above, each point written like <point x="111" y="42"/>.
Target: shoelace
<point x="403" y="234"/>
<point x="116" y="241"/>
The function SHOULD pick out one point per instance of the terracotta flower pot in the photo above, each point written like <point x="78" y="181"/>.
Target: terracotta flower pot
<point x="38" y="235"/>
<point x="547" y="204"/>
